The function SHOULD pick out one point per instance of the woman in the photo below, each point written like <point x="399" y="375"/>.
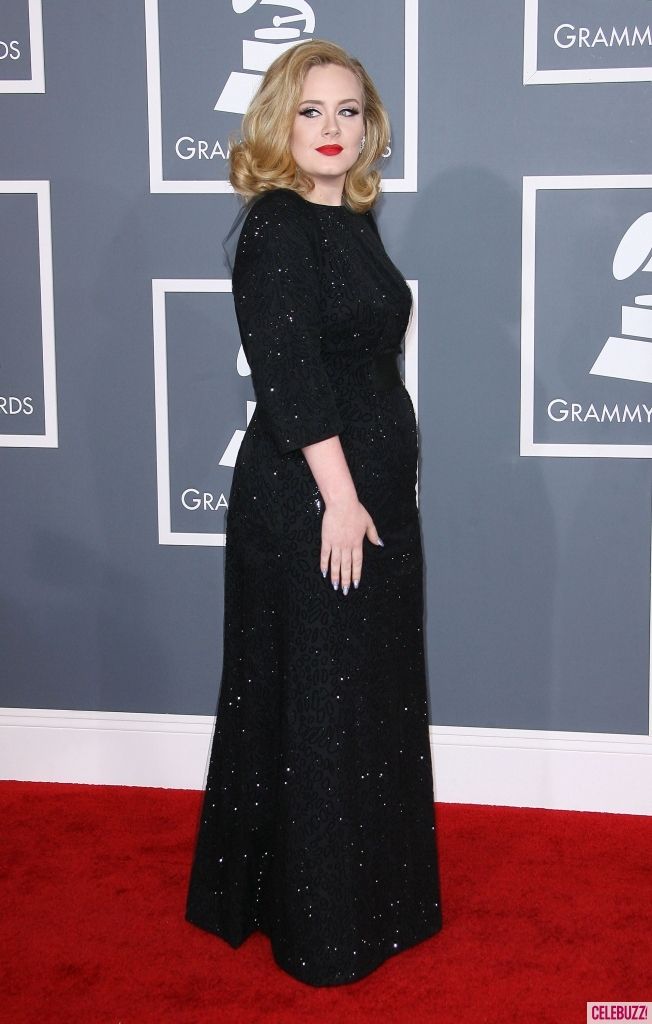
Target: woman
<point x="317" y="822"/>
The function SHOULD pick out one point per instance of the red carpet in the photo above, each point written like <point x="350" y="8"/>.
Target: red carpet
<point x="543" y="911"/>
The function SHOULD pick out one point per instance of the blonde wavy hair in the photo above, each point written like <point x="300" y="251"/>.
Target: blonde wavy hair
<point x="261" y="160"/>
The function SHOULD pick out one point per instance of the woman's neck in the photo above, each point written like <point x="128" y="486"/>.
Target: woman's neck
<point x="325" y="197"/>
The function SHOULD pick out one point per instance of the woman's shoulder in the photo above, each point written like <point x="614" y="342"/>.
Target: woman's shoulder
<point x="276" y="220"/>
<point x="278" y="212"/>
<point x="282" y="202"/>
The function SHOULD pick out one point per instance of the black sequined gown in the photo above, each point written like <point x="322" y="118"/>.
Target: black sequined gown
<point x="317" y="824"/>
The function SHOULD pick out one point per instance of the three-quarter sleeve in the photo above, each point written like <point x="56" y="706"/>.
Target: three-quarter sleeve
<point x="276" y="295"/>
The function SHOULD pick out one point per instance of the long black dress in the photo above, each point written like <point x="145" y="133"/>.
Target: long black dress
<point x="317" y="824"/>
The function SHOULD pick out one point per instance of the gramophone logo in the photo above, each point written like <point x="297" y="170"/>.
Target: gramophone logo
<point x="258" y="53"/>
<point x="630" y="357"/>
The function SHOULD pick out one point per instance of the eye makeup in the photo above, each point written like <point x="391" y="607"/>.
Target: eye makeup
<point x="351" y="111"/>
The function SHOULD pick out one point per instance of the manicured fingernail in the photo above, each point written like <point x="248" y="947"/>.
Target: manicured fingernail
<point x="336" y="585"/>
<point x="381" y="542"/>
<point x="356" y="584"/>
<point x="323" y="572"/>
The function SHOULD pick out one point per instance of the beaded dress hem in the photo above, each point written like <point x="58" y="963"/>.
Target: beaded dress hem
<point x="315" y="980"/>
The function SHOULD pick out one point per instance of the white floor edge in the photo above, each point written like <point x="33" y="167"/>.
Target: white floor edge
<point x="510" y="767"/>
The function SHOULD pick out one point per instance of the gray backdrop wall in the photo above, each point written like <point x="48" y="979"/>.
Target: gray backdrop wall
<point x="518" y="199"/>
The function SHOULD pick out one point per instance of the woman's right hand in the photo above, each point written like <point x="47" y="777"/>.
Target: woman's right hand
<point x="345" y="524"/>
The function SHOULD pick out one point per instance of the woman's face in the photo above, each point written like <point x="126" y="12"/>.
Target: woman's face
<point x="329" y="124"/>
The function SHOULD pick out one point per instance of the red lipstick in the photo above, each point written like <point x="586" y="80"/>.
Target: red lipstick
<point x="330" y="150"/>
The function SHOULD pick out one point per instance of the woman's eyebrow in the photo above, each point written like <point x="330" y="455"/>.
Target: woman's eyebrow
<point x="351" y="99"/>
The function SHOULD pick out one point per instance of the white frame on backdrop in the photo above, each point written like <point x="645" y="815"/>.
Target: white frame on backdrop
<point x="533" y="75"/>
<point x="36" y="82"/>
<point x="532" y="184"/>
<point x="161" y="287"/>
<point x="50" y="437"/>
<point x="159" y="184"/>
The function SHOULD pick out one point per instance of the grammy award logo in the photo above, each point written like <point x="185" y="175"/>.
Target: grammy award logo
<point x="630" y="357"/>
<point x="258" y="53"/>
<point x="230" y="453"/>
